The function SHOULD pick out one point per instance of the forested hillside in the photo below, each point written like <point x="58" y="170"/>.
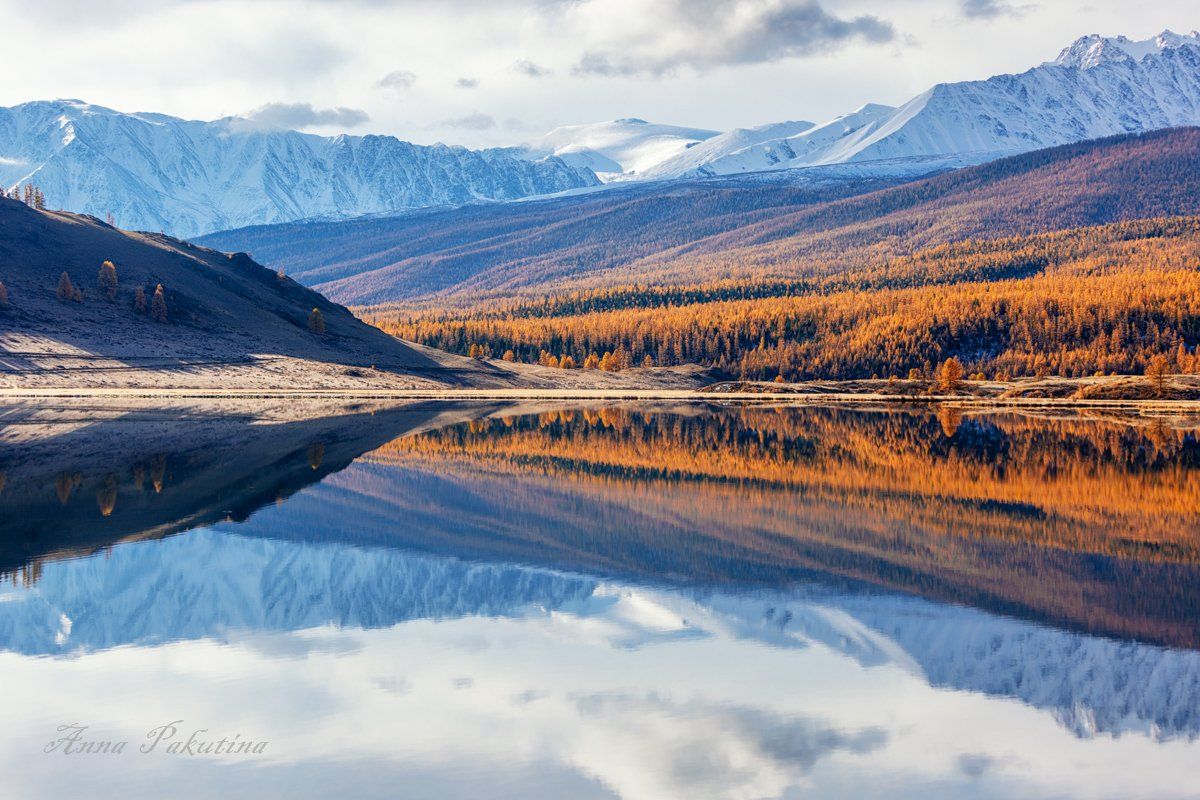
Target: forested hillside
<point x="1068" y="261"/>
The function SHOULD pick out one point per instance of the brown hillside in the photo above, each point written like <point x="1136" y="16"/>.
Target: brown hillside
<point x="227" y="321"/>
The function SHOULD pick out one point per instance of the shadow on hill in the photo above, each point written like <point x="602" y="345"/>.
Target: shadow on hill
<point x="150" y="473"/>
<point x="221" y="309"/>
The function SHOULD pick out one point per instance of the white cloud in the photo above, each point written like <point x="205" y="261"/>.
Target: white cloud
<point x="397" y="79"/>
<point x="713" y="64"/>
<point x="471" y="122"/>
<point x="703" y="34"/>
<point x="990" y="9"/>
<point x="302" y="115"/>
<point x="531" y="70"/>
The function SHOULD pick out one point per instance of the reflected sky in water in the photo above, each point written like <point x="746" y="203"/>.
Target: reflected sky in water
<point x="692" y="602"/>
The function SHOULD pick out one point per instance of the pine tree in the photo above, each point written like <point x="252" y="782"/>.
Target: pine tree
<point x="158" y="305"/>
<point x="949" y="375"/>
<point x="139" y="300"/>
<point x="509" y="355"/>
<point x="592" y="361"/>
<point x="66" y="289"/>
<point x="1157" y="371"/>
<point x="316" y="321"/>
<point x="108" y="279"/>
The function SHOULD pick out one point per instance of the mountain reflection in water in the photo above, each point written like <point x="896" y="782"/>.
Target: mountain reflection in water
<point x="854" y="583"/>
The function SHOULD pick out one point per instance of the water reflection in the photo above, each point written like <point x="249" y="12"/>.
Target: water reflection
<point x="644" y="603"/>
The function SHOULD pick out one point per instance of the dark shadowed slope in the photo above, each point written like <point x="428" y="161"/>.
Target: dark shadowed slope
<point x="229" y="321"/>
<point x="696" y="232"/>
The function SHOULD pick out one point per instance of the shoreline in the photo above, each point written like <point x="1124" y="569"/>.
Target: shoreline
<point x="631" y="395"/>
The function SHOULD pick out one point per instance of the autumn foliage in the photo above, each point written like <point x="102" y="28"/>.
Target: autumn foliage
<point x="1099" y="299"/>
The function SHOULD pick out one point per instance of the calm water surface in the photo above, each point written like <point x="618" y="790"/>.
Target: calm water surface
<point x="433" y="601"/>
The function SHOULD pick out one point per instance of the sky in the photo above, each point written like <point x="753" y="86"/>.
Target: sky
<point x="498" y="72"/>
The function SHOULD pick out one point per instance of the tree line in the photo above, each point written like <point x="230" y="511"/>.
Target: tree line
<point x="1103" y="299"/>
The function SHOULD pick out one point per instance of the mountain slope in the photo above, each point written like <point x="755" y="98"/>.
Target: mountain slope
<point x="230" y="322"/>
<point x="691" y="232"/>
<point x="155" y="172"/>
<point x="1096" y="87"/>
<point x="1070" y="261"/>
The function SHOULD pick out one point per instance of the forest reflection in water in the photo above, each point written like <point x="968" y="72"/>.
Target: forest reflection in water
<point x="1092" y="522"/>
<point x="694" y="600"/>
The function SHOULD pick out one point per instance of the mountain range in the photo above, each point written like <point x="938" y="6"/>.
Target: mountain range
<point x="161" y="173"/>
<point x="780" y="226"/>
<point x="1096" y="87"/>
<point x="156" y="172"/>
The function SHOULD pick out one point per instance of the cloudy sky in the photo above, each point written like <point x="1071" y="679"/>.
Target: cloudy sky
<point x="483" y="72"/>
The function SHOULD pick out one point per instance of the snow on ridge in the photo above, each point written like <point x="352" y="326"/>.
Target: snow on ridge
<point x="1093" y="50"/>
<point x="213" y="585"/>
<point x="186" y="177"/>
<point x="1097" y="87"/>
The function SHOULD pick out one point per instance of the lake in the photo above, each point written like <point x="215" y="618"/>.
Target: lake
<point x="435" y="600"/>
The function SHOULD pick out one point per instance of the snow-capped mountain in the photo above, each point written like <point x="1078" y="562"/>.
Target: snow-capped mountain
<point x="617" y="149"/>
<point x="1092" y="51"/>
<point x="217" y="584"/>
<point x="1096" y="87"/>
<point x="155" y="172"/>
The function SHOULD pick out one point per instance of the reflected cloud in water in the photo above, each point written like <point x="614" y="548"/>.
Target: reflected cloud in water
<point x="643" y="603"/>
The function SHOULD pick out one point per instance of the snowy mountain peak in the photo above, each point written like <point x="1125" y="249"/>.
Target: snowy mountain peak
<point x="1098" y="87"/>
<point x="617" y="148"/>
<point x="186" y="177"/>
<point x="1091" y="51"/>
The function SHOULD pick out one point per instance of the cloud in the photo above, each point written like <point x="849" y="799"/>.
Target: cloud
<point x="397" y="79"/>
<point x="528" y="68"/>
<point x="466" y="83"/>
<point x="471" y="122"/>
<point x="990" y="9"/>
<point x="302" y="115"/>
<point x="703" y="34"/>
<point x="719" y="750"/>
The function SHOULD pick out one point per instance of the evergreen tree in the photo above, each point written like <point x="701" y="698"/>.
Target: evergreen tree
<point x="66" y="289"/>
<point x="158" y="305"/>
<point x="139" y="300"/>
<point x="316" y="321"/>
<point x="108" y="279"/>
<point x="949" y="375"/>
<point x="1157" y="371"/>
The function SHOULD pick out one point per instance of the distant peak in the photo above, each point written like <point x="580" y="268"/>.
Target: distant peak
<point x="1094" y="50"/>
<point x="874" y="108"/>
<point x="632" y="121"/>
